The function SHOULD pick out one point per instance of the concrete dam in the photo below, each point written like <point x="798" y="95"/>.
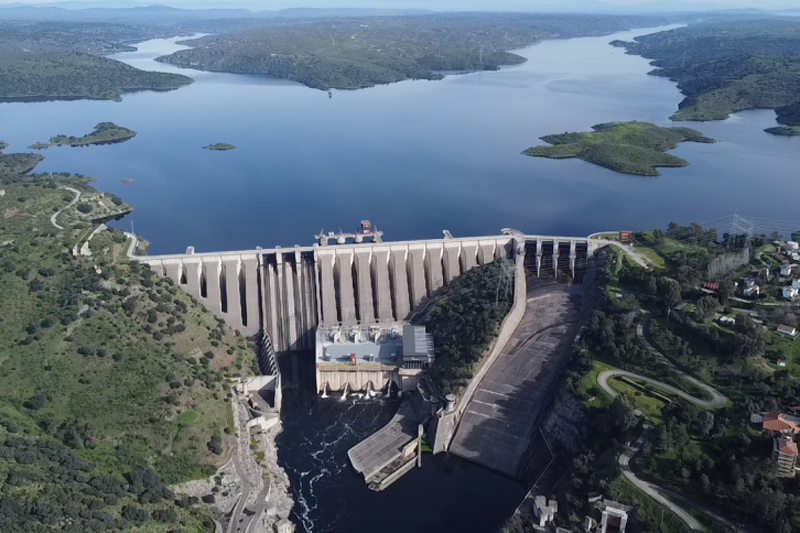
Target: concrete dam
<point x="290" y="292"/>
<point x="349" y="303"/>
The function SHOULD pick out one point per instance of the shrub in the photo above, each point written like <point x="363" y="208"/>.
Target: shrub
<point x="34" y="403"/>
<point x="215" y="445"/>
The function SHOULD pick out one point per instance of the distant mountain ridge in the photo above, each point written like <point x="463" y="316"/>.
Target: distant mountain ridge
<point x="166" y="15"/>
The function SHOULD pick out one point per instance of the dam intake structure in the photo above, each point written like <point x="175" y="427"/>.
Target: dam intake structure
<point x="290" y="292"/>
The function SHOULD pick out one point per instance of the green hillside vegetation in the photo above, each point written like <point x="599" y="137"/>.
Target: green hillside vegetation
<point x="17" y="163"/>
<point x="112" y="380"/>
<point x="629" y="147"/>
<point x="353" y="53"/>
<point x="96" y="38"/>
<point x="715" y="458"/>
<point x="219" y="147"/>
<point x="66" y="75"/>
<point x="103" y="133"/>
<point x="464" y="317"/>
<point x="723" y="68"/>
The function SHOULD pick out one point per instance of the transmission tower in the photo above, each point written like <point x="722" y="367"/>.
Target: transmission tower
<point x="741" y="226"/>
<point x="505" y="280"/>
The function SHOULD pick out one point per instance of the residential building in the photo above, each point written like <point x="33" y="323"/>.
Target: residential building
<point x="796" y="284"/>
<point x="793" y="245"/>
<point x="752" y="291"/>
<point x="544" y="510"/>
<point x="786" y="270"/>
<point x="784" y="453"/>
<point x="789" y="331"/>
<point x="615" y="517"/>
<point x="625" y="237"/>
<point x="780" y="423"/>
<point x="727" y="321"/>
<point x="790" y="293"/>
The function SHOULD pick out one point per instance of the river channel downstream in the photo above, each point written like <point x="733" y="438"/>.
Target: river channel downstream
<point x="416" y="158"/>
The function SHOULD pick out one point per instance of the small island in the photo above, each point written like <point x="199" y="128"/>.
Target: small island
<point x="629" y="147"/>
<point x="786" y="131"/>
<point x="104" y="133"/>
<point x="219" y="147"/>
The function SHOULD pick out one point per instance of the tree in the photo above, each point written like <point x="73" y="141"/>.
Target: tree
<point x="669" y="291"/>
<point x="706" y="307"/>
<point x="215" y="445"/>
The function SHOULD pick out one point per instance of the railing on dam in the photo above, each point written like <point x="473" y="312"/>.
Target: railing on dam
<point x="291" y="291"/>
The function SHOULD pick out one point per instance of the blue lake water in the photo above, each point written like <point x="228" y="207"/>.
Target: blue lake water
<point x="415" y="157"/>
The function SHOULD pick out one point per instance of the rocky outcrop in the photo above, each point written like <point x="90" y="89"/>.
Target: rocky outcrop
<point x="566" y="422"/>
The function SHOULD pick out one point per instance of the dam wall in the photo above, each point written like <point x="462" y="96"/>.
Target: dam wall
<point x="289" y="292"/>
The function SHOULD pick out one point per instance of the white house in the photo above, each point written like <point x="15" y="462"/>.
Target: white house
<point x="793" y="245"/>
<point x="796" y="284"/>
<point x="753" y="291"/>
<point x="790" y="293"/>
<point x="787" y="330"/>
<point x="786" y="270"/>
<point x="544" y="510"/>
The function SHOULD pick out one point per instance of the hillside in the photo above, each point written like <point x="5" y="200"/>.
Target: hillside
<point x="112" y="380"/>
<point x="352" y="53"/>
<point x="65" y="75"/>
<point x="723" y="68"/>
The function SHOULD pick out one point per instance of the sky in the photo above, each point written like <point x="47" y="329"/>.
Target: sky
<point x="460" y="5"/>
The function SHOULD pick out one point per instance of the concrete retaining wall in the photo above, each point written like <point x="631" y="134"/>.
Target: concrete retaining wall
<point x="507" y="329"/>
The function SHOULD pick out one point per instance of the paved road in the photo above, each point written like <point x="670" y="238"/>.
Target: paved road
<point x="73" y="202"/>
<point x="717" y="399"/>
<point x="134" y="243"/>
<point x="640" y="260"/>
<point x="654" y="491"/>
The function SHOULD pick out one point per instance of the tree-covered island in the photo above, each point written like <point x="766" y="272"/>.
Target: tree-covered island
<point x="103" y="133"/>
<point x="219" y="147"/>
<point x="629" y="147"/>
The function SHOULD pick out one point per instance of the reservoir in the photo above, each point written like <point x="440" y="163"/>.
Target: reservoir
<point x="414" y="157"/>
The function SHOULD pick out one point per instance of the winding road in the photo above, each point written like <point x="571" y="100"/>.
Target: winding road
<point x="660" y="494"/>
<point x="73" y="202"/>
<point x="654" y="491"/>
<point x="717" y="401"/>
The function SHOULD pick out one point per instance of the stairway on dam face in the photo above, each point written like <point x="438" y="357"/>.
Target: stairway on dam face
<point x="509" y="404"/>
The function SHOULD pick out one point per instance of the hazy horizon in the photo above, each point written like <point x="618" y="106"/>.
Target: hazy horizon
<point x="436" y="5"/>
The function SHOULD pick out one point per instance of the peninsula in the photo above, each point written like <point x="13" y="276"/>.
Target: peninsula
<point x="629" y="147"/>
<point x="17" y="164"/>
<point x="360" y="52"/>
<point x="219" y="147"/>
<point x="726" y="67"/>
<point x="103" y="133"/>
